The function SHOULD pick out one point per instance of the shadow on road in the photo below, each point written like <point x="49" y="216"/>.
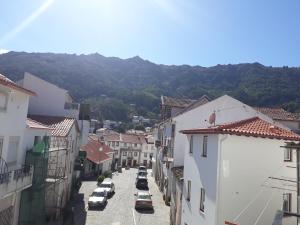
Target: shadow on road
<point x="145" y="211"/>
<point x="79" y="211"/>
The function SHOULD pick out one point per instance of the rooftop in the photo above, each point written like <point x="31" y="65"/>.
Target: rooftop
<point x="61" y="126"/>
<point x="97" y="152"/>
<point x="36" y="125"/>
<point x="201" y="101"/>
<point x="10" y="84"/>
<point x="278" y="113"/>
<point x="176" y="102"/>
<point x="254" y="127"/>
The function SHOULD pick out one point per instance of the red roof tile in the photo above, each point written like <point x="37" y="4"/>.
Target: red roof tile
<point x="9" y="83"/>
<point x="254" y="127"/>
<point x="133" y="138"/>
<point x="97" y="152"/>
<point x="277" y="113"/>
<point x="36" y="125"/>
<point x="61" y="126"/>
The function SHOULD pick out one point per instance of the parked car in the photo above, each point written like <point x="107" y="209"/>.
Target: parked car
<point x="98" y="198"/>
<point x="108" y="186"/>
<point x="142" y="173"/>
<point x="143" y="200"/>
<point x="141" y="182"/>
<point x="142" y="168"/>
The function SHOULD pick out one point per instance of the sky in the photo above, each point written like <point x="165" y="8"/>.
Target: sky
<point x="194" y="32"/>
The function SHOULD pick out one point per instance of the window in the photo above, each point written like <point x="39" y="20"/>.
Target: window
<point x="189" y="184"/>
<point x="124" y="153"/>
<point x="191" y="144"/>
<point x="113" y="144"/>
<point x="3" y="101"/>
<point x="125" y="144"/>
<point x="116" y="152"/>
<point x="37" y="139"/>
<point x="204" y="150"/>
<point x="12" y="152"/>
<point x="287" y="154"/>
<point x="287" y="199"/>
<point x="173" y="130"/>
<point x="1" y="145"/>
<point x="135" y="153"/>
<point x="202" y="199"/>
<point x="135" y="145"/>
<point x="117" y="143"/>
<point x="145" y="155"/>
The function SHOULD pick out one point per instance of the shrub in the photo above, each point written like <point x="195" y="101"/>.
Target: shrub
<point x="100" y="179"/>
<point x="107" y="174"/>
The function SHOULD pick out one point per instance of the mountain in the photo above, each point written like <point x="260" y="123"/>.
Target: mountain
<point x="119" y="88"/>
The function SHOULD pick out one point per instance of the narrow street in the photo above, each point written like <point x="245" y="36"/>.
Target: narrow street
<point x="120" y="207"/>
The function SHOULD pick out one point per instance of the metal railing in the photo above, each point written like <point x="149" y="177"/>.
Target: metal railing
<point x="16" y="174"/>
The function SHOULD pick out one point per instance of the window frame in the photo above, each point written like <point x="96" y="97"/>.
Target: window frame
<point x="289" y="202"/>
<point x="191" y="144"/>
<point x="204" y="146"/>
<point x="202" y="200"/>
<point x="124" y="153"/>
<point x="189" y="188"/>
<point x="290" y="154"/>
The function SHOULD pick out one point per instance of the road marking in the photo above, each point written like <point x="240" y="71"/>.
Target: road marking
<point x="133" y="217"/>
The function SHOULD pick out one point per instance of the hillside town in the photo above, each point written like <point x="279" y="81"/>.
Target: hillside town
<point x="204" y="155"/>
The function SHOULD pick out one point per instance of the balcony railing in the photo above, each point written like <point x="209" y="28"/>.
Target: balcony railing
<point x="15" y="180"/>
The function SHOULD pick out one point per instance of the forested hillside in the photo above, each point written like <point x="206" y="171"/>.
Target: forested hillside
<point x="119" y="88"/>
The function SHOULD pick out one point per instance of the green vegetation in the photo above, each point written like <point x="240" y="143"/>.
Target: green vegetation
<point x="118" y="89"/>
<point x="100" y="179"/>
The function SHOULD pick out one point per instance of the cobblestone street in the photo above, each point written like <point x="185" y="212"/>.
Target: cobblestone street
<point x="120" y="207"/>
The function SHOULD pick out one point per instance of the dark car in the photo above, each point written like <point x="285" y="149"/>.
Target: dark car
<point x="141" y="174"/>
<point x="141" y="182"/>
<point x="142" y="168"/>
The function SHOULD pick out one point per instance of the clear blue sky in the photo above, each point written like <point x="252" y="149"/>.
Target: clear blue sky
<point x="195" y="32"/>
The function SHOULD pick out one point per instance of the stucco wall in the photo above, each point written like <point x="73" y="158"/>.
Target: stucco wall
<point x="245" y="167"/>
<point x="202" y="172"/>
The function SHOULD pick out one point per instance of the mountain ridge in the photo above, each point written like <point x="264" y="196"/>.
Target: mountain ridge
<point x="111" y="84"/>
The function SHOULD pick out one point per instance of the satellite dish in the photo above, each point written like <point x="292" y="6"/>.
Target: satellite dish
<point x="212" y="118"/>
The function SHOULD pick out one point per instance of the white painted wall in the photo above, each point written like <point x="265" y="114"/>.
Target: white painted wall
<point x="245" y="165"/>
<point x="227" y="110"/>
<point x="50" y="99"/>
<point x="202" y="172"/>
<point x="235" y="175"/>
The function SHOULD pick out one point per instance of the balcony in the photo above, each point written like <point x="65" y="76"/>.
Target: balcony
<point x="15" y="180"/>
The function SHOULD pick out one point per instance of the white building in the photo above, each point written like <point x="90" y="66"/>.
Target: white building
<point x="63" y="151"/>
<point x="131" y="149"/>
<point x="238" y="173"/>
<point x="55" y="101"/>
<point x="99" y="158"/>
<point x="13" y="176"/>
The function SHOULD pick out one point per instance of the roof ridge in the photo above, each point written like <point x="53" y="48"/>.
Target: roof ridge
<point x="238" y="123"/>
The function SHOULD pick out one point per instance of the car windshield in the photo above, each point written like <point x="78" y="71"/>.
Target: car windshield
<point x="144" y="196"/>
<point x="142" y="173"/>
<point x="105" y="185"/>
<point x="98" y="194"/>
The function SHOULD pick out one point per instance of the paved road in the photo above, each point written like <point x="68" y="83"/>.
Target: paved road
<point x="120" y="207"/>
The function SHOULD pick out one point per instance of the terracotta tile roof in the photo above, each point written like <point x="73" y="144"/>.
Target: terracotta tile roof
<point x="97" y="152"/>
<point x="36" y="125"/>
<point x="176" y="102"/>
<point x="61" y="126"/>
<point x="201" y="101"/>
<point x="254" y="127"/>
<point x="178" y="172"/>
<point x="10" y="84"/>
<point x="133" y="138"/>
<point x="277" y="113"/>
<point x="112" y="137"/>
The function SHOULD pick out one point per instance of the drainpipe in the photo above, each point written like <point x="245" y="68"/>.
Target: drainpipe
<point x="222" y="138"/>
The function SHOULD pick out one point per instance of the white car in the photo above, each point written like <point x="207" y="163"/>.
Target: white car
<point x="98" y="198"/>
<point x="108" y="186"/>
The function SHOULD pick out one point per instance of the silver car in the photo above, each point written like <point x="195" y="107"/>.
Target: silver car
<point x="143" y="200"/>
<point x="98" y="198"/>
<point x="108" y="186"/>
